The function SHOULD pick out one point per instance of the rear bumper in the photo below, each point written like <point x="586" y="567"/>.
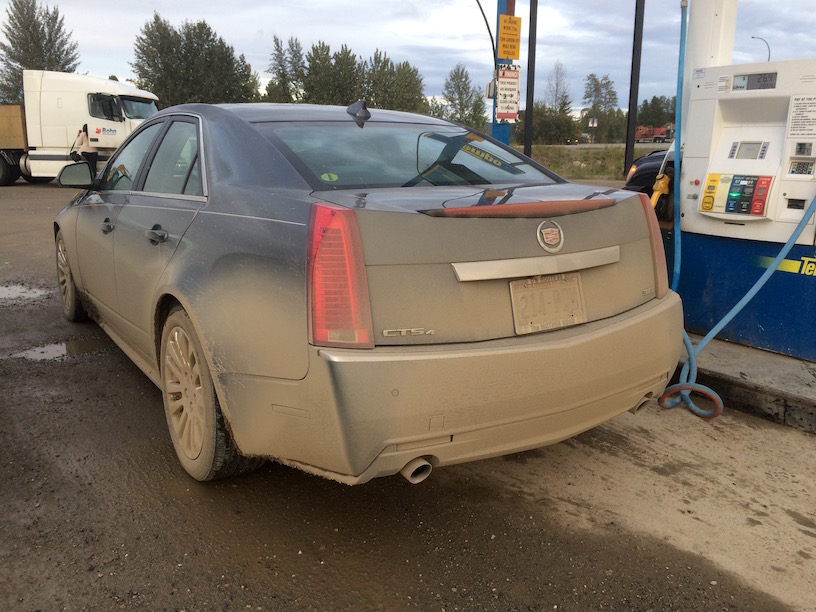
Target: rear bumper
<point x="363" y="414"/>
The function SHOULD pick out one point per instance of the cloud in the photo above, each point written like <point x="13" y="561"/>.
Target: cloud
<point x="591" y="36"/>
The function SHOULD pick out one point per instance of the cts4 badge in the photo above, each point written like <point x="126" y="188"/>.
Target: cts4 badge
<point x="550" y="236"/>
<point x="408" y="331"/>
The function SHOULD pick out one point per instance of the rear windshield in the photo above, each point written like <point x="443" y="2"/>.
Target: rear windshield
<point x="340" y="155"/>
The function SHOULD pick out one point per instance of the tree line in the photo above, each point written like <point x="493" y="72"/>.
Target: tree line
<point x="600" y="119"/>
<point x="191" y="63"/>
<point x="321" y="76"/>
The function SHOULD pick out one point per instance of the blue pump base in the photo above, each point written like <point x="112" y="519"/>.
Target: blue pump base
<point x="717" y="272"/>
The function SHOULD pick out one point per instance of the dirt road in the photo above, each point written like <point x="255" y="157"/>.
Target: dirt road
<point x="653" y="511"/>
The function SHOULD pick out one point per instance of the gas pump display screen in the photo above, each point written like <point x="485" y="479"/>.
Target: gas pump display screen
<point x="747" y="82"/>
<point x="749" y="150"/>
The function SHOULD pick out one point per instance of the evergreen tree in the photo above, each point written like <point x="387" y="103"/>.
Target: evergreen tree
<point x="191" y="64"/>
<point x="35" y="39"/>
<point x="347" y="77"/>
<point x="378" y="83"/>
<point x="408" y="90"/>
<point x="601" y="102"/>
<point x="341" y="78"/>
<point x="461" y="101"/>
<point x="318" y="80"/>
<point x="393" y="86"/>
<point x="288" y="68"/>
<point x="600" y="94"/>
<point x="657" y="112"/>
<point x="550" y="125"/>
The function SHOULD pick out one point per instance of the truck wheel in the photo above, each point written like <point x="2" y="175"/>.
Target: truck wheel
<point x="34" y="180"/>
<point x="71" y="305"/>
<point x="200" y="437"/>
<point x="6" y="172"/>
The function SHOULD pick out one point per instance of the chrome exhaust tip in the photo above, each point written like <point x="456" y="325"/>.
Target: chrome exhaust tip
<point x="417" y="470"/>
<point x="644" y="400"/>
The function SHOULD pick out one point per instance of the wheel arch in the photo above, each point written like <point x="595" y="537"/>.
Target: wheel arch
<point x="165" y="305"/>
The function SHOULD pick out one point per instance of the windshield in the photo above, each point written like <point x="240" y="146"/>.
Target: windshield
<point x="340" y="155"/>
<point x="138" y="108"/>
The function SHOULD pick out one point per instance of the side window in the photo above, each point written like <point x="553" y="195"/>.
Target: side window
<point x="174" y="169"/>
<point x="121" y="171"/>
<point x="104" y="106"/>
<point x="193" y="186"/>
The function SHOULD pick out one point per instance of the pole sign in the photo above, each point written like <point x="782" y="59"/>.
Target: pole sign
<point x="509" y="37"/>
<point x="507" y="93"/>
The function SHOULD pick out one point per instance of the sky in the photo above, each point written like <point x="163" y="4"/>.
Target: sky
<point x="585" y="36"/>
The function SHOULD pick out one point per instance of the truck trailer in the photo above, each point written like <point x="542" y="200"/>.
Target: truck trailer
<point x="647" y="133"/>
<point x="38" y="136"/>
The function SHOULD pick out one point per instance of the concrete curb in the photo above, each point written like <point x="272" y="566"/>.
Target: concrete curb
<point x="774" y="386"/>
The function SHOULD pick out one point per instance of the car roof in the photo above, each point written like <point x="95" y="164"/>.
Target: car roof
<point x="261" y="112"/>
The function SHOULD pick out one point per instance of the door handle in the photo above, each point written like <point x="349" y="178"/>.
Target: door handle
<point x="106" y="226"/>
<point x="157" y="235"/>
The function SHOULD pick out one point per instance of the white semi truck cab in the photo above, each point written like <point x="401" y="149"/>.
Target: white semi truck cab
<point x="36" y="137"/>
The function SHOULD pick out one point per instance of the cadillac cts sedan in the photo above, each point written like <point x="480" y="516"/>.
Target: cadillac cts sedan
<point x="359" y="293"/>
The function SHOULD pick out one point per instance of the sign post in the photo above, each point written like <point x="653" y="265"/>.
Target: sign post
<point x="506" y="93"/>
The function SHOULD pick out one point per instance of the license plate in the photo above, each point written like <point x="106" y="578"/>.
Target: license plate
<point x="547" y="302"/>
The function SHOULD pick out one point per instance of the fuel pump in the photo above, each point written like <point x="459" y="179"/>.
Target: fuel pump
<point x="747" y="177"/>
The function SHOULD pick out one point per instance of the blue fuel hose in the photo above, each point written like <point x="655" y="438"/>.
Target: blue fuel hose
<point x="688" y="375"/>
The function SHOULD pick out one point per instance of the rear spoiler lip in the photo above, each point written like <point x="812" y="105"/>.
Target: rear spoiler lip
<point x="548" y="208"/>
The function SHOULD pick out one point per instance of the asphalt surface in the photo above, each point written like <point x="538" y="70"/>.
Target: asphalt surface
<point x="654" y="511"/>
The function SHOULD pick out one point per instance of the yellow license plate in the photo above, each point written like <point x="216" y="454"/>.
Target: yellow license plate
<point x="547" y="302"/>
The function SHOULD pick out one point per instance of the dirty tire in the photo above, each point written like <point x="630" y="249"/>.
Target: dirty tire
<point x="71" y="305"/>
<point x="6" y="173"/>
<point x="200" y="437"/>
<point x="37" y="180"/>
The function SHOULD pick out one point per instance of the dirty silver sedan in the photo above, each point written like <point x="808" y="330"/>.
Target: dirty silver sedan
<point x="360" y="293"/>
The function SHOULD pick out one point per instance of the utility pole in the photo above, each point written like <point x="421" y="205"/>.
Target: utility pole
<point x="634" y="81"/>
<point x="531" y="51"/>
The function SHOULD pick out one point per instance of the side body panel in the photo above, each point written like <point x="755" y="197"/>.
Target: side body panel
<point x="141" y="260"/>
<point x="95" y="222"/>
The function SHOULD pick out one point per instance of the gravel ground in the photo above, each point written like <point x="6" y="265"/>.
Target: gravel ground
<point x="652" y="511"/>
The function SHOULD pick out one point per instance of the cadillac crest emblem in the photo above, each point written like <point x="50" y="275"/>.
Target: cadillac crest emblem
<point x="550" y="236"/>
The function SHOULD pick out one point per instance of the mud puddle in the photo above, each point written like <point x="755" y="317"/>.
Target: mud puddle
<point x="59" y="350"/>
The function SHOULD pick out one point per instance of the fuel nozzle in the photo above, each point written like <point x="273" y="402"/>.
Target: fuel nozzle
<point x="660" y="188"/>
<point x="660" y="197"/>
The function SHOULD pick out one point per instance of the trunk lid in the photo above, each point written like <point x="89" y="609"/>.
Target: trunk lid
<point x="464" y="264"/>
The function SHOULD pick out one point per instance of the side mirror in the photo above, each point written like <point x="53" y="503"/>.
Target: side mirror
<point x="76" y="175"/>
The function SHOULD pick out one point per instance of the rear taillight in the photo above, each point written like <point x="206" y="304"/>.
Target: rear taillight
<point x="338" y="292"/>
<point x="658" y="253"/>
